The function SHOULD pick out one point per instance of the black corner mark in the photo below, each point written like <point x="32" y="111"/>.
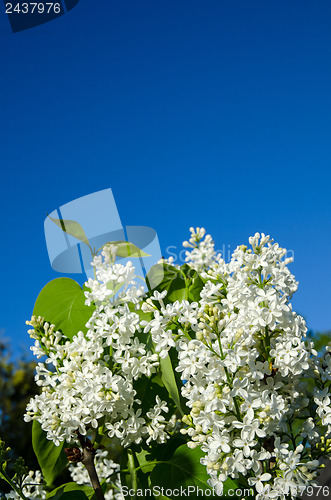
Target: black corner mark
<point x="26" y="14"/>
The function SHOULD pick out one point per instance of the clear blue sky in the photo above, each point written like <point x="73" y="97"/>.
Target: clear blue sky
<point x="210" y="113"/>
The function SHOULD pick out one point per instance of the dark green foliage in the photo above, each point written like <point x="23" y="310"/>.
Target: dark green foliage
<point x="52" y="459"/>
<point x="17" y="386"/>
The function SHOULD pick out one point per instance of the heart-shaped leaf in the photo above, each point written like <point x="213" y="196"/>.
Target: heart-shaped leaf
<point x="62" y="303"/>
<point x="182" y="470"/>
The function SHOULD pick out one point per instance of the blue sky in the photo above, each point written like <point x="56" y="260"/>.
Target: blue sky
<point x="206" y="113"/>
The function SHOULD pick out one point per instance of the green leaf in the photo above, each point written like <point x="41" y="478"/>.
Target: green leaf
<point x="182" y="470"/>
<point x="146" y="316"/>
<point x="71" y="491"/>
<point x="195" y="286"/>
<point x="230" y="484"/>
<point x="62" y="303"/>
<point x="113" y="288"/>
<point x="140" y="459"/>
<point x="51" y="458"/>
<point x="165" y="277"/>
<point x="148" y="389"/>
<point x="145" y="460"/>
<point x="169" y="380"/>
<point x="71" y="227"/>
<point x="126" y="249"/>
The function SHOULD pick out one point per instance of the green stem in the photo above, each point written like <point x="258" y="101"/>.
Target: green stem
<point x="267" y="337"/>
<point x="291" y="436"/>
<point x="12" y="484"/>
<point x="229" y="382"/>
<point x="133" y="471"/>
<point x="237" y="408"/>
<point x="186" y="288"/>
<point x="99" y="433"/>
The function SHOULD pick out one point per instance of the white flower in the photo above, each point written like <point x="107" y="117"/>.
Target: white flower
<point x="258" y="481"/>
<point x="220" y="441"/>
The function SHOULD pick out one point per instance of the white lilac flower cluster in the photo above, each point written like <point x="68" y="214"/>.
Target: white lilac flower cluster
<point x="243" y="354"/>
<point x="202" y="256"/>
<point x="89" y="381"/>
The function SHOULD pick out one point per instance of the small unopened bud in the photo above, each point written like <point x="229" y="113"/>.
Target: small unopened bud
<point x="238" y="334"/>
<point x="221" y="324"/>
<point x="73" y="454"/>
<point x="200" y="336"/>
<point x="186" y="419"/>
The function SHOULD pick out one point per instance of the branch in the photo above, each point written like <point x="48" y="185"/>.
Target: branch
<point x="88" y="461"/>
<point x="87" y="458"/>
